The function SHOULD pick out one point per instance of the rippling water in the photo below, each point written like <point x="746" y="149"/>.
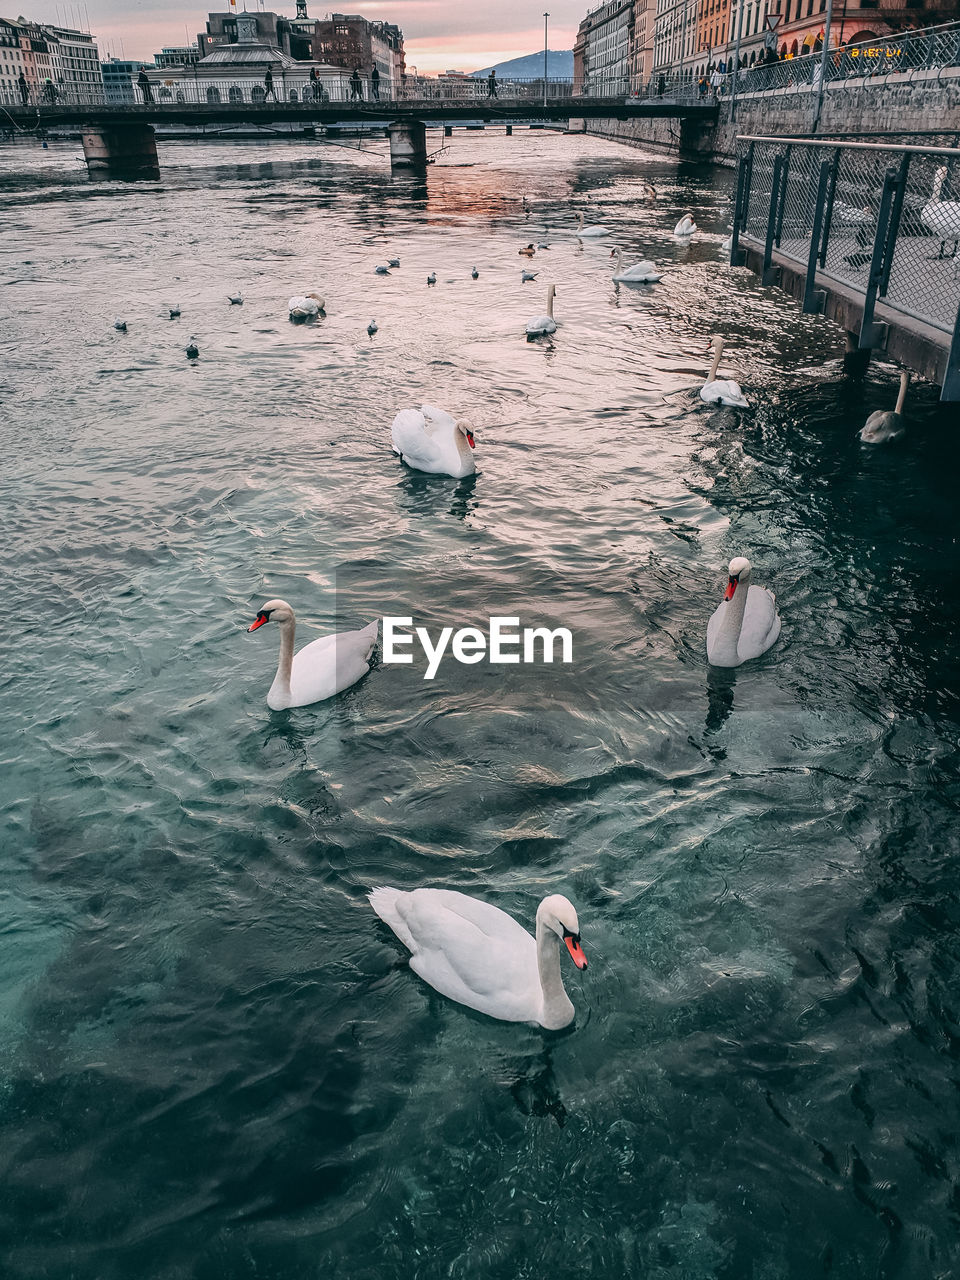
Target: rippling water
<point x="215" y="1062"/>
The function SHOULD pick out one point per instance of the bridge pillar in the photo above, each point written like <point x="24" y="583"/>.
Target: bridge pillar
<point x="509" y="130"/>
<point x="448" y="130"/>
<point x="121" y="151"/>
<point x="408" y="144"/>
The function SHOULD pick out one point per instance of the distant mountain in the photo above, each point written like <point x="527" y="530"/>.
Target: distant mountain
<point x="559" y="67"/>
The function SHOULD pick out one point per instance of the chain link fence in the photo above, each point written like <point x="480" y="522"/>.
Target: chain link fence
<point x="883" y="221"/>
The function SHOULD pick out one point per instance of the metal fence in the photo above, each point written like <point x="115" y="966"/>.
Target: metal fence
<point x="882" y="221"/>
<point x="178" y="87"/>
<point x="920" y="55"/>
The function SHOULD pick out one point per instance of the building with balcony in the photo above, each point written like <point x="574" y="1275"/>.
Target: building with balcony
<point x="351" y="41"/>
<point x="602" y="51"/>
<point x="11" y="61"/>
<point x="77" y="61"/>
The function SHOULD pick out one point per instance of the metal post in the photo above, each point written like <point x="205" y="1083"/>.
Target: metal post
<point x="828" y="212"/>
<point x="811" y="294"/>
<point x="823" y="65"/>
<point x="742" y="178"/>
<point x="770" y="273"/>
<point x="736" y="64"/>
<point x="951" y="376"/>
<point x="869" y="332"/>
<point x="782" y="205"/>
<point x="546" y="18"/>
<point x="894" y="228"/>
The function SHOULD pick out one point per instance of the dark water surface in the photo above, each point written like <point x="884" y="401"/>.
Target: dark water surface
<point x="214" y="1062"/>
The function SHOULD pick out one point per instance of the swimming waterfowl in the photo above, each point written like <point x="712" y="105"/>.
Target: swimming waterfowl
<point x="322" y="668"/>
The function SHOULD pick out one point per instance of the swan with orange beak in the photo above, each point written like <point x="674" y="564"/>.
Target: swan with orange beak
<point x="429" y="439"/>
<point x="745" y="623"/>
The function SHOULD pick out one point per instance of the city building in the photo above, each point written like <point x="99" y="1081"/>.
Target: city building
<point x="177" y="56"/>
<point x="641" y="49"/>
<point x="11" y="62"/>
<point x="76" y="59"/>
<point x="675" y="42"/>
<point x="39" y="69"/>
<point x="120" y="80"/>
<point x="602" y="50"/>
<point x="345" y="40"/>
<point x="236" y="69"/>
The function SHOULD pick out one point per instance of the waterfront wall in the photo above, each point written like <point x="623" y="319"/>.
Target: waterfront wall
<point x="882" y="105"/>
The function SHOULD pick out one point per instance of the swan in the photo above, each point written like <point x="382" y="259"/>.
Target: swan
<point x="884" y="427"/>
<point x="475" y="274"/>
<point x="174" y="313"/>
<point x="321" y="668"/>
<point x="544" y="324"/>
<point x="479" y="956"/>
<point x="528" y="275"/>
<point x="429" y="439"/>
<point x="529" y="250"/>
<point x="193" y="350"/>
<point x="432" y="278"/>
<point x="381" y="270"/>
<point x="583" y="231"/>
<point x="372" y="328"/>
<point x="745" y="623"/>
<point x="393" y="262"/>
<point x="640" y="273"/>
<point x="942" y="217"/>
<point x="685" y="227"/>
<point x="305" y="306"/>
<point x="722" y="390"/>
<point x="235" y="299"/>
<point x="120" y="326"/>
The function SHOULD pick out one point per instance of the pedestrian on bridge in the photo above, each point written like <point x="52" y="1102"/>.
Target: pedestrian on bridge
<point x="375" y="84"/>
<point x="356" y="85"/>
<point x="23" y="87"/>
<point x="144" y="84"/>
<point x="492" y="83"/>
<point x="716" y="81"/>
<point x="268" y="86"/>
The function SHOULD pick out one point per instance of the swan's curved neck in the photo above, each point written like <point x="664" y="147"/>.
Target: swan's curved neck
<point x="718" y="352"/>
<point x="281" y="682"/>
<point x="557" y="1008"/>
<point x="550" y="303"/>
<point x="731" y="622"/>
<point x="904" y="379"/>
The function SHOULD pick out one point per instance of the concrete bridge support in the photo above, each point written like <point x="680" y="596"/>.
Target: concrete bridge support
<point x="126" y="151"/>
<point x="408" y="144"/>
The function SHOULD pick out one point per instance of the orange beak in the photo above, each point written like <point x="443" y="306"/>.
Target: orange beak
<point x="576" y="951"/>
<point x="259" y="623"/>
<point x="470" y="440"/>
<point x="731" y="588"/>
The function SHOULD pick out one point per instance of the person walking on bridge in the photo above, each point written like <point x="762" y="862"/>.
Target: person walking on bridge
<point x="23" y="87"/>
<point x="492" y="83"/>
<point x="356" y="85"/>
<point x="268" y="86"/>
<point x="375" y="83"/>
<point x="716" y="81"/>
<point x="144" y="84"/>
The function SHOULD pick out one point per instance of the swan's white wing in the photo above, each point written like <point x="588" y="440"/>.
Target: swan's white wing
<point x="412" y="440"/>
<point x="724" y="391"/>
<point x="331" y="664"/>
<point x="761" y="624"/>
<point x="542" y="324"/>
<point x="713" y="628"/>
<point x="437" y="421"/>
<point x="466" y="949"/>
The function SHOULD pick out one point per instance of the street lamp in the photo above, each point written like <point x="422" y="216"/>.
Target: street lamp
<point x="546" y="18"/>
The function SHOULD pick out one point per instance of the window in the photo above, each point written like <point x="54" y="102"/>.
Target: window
<point x="213" y="95"/>
<point x="236" y="94"/>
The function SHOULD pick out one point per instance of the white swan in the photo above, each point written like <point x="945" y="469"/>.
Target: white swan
<point x="745" y="623"/>
<point x="942" y="217"/>
<point x="640" y="273"/>
<point x="305" y="306"/>
<point x="583" y="232"/>
<point x="429" y="439"/>
<point x="685" y="227"/>
<point x="722" y="390"/>
<point x="883" y="427"/>
<point x="321" y="668"/>
<point x="479" y="956"/>
<point x="544" y="324"/>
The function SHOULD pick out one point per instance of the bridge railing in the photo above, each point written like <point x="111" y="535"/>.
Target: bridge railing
<point x="883" y="222"/>
<point x="920" y="53"/>
<point x="179" y="87"/>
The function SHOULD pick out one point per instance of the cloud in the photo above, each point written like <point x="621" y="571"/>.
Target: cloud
<point x="437" y="33"/>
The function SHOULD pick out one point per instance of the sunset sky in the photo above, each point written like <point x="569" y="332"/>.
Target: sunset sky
<point x="437" y="33"/>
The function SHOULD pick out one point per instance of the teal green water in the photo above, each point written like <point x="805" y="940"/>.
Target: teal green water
<point x="214" y="1060"/>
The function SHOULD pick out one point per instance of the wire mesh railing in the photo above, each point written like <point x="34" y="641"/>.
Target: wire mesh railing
<point x="921" y="54"/>
<point x="881" y="221"/>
